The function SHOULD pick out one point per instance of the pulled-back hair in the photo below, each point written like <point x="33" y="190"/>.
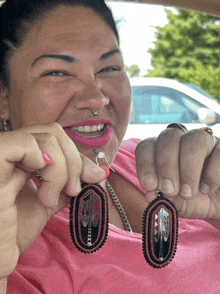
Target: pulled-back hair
<point x="17" y="16"/>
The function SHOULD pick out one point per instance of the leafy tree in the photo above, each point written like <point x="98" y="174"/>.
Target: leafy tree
<point x="188" y="49"/>
<point x="132" y="70"/>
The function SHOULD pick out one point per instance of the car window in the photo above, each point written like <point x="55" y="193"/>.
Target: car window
<point x="162" y="105"/>
<point x="198" y="89"/>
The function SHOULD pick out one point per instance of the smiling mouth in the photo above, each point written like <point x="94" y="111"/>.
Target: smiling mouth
<point x="89" y="131"/>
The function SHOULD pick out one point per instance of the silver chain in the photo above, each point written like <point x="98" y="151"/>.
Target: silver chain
<point x="119" y="207"/>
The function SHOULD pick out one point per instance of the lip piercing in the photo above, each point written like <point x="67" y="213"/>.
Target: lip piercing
<point x="95" y="112"/>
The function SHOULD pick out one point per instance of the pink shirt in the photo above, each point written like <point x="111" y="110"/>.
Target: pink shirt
<point x="52" y="264"/>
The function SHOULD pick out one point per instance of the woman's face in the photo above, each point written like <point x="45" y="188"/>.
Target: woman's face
<point x="68" y="66"/>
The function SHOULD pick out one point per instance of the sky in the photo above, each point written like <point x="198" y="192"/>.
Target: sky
<point x="135" y="24"/>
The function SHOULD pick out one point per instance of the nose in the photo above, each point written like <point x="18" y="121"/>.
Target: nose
<point x="91" y="96"/>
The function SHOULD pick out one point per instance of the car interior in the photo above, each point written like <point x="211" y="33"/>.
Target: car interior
<point x="211" y="7"/>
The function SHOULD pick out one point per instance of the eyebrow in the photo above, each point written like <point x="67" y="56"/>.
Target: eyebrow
<point x="109" y="54"/>
<point x="66" y="58"/>
<point x="71" y="59"/>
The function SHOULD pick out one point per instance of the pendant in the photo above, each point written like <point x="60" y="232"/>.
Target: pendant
<point x="160" y="232"/>
<point x="88" y="218"/>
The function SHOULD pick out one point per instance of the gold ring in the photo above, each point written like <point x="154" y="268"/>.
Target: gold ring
<point x="210" y="131"/>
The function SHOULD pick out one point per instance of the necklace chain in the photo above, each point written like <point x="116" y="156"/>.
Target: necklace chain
<point x="119" y="207"/>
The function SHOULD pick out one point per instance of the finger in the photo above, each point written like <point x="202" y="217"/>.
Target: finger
<point x="145" y="164"/>
<point x="8" y="220"/>
<point x="18" y="149"/>
<point x="91" y="172"/>
<point x="70" y="153"/>
<point x="196" y="146"/>
<point x="167" y="160"/>
<point x="211" y="173"/>
<point x="73" y="158"/>
<point x="10" y="190"/>
<point x="150" y="196"/>
<point x="55" y="176"/>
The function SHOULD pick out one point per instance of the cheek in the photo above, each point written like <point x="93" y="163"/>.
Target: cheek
<point x="122" y="98"/>
<point x="43" y="104"/>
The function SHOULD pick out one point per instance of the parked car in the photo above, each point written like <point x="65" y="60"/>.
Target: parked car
<point x="198" y="89"/>
<point x="157" y="102"/>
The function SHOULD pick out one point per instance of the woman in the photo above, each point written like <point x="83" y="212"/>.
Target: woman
<point x="67" y="97"/>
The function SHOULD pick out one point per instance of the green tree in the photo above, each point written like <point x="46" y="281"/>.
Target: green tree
<point x="132" y="70"/>
<point x="188" y="49"/>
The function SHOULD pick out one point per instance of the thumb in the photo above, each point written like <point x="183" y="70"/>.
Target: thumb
<point x="150" y="196"/>
<point x="91" y="172"/>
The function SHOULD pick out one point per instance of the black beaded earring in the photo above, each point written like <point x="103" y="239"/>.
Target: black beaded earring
<point x="160" y="232"/>
<point x="88" y="216"/>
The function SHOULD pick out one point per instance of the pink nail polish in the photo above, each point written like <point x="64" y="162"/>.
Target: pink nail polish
<point x="106" y="170"/>
<point x="46" y="158"/>
<point x="36" y="181"/>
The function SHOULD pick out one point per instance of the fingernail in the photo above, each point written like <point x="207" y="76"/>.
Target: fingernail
<point x="106" y="170"/>
<point x="149" y="179"/>
<point x="57" y="200"/>
<point x="78" y="185"/>
<point x="166" y="186"/>
<point x="204" y="188"/>
<point x="186" y="190"/>
<point x="46" y="158"/>
<point x="95" y="168"/>
<point x="148" y="182"/>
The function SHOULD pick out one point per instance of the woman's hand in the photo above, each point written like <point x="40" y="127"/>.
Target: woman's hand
<point x="24" y="209"/>
<point x="186" y="168"/>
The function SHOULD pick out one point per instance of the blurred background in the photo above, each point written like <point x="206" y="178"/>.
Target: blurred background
<point x="160" y="41"/>
<point x="172" y="58"/>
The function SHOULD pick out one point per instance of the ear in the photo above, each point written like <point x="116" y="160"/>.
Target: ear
<point x="4" y="102"/>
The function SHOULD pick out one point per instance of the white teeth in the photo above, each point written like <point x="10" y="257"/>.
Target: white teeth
<point x="81" y="129"/>
<point x="88" y="129"/>
<point x="93" y="128"/>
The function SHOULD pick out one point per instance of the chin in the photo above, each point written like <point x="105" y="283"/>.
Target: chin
<point x="110" y="149"/>
<point x="108" y="143"/>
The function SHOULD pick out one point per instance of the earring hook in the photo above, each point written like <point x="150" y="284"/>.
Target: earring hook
<point x="102" y="155"/>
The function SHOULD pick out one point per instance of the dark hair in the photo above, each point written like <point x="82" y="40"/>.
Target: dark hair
<point x="16" y="16"/>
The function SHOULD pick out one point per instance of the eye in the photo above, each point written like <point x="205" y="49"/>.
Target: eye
<point x="55" y="73"/>
<point x="110" y="69"/>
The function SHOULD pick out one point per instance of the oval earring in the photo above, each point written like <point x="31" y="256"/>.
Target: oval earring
<point x="88" y="217"/>
<point x="160" y="232"/>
